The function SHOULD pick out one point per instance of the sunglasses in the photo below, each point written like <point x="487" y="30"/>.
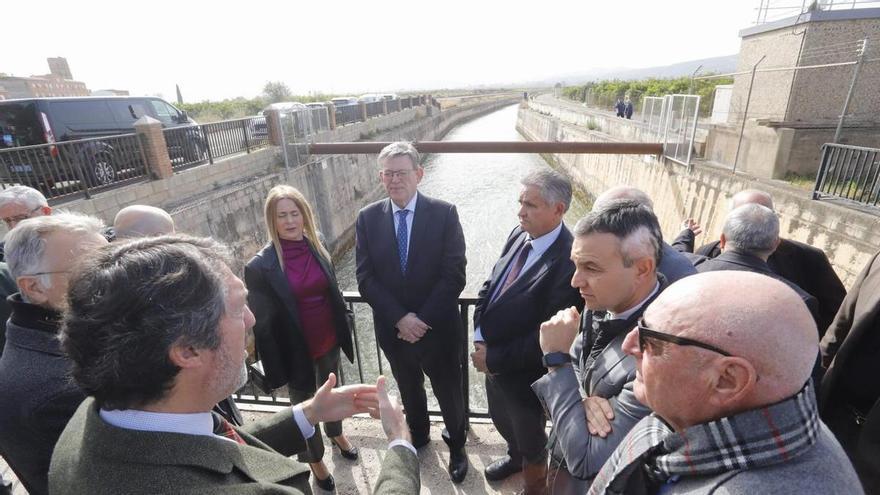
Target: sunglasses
<point x="646" y="333"/>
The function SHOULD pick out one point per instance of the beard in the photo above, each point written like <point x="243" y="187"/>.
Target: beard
<point x="231" y="375"/>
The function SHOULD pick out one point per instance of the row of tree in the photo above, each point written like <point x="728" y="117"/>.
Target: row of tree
<point x="605" y="93"/>
<point x="233" y="108"/>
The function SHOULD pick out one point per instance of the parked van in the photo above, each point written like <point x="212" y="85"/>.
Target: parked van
<point x="40" y="121"/>
<point x="344" y="100"/>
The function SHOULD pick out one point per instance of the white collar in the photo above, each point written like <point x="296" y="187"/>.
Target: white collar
<point x="187" y="423"/>
<point x="626" y="314"/>
<point x="543" y="243"/>
<point x="411" y="206"/>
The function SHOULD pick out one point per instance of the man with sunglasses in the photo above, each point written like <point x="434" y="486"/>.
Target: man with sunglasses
<point x="19" y="203"/>
<point x="588" y="391"/>
<point x="724" y="362"/>
<point x="38" y="397"/>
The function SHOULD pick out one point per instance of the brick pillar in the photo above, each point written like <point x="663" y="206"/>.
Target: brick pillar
<point x="273" y="126"/>
<point x="331" y="115"/>
<point x="384" y="106"/>
<point x="362" y="107"/>
<point x="155" y="150"/>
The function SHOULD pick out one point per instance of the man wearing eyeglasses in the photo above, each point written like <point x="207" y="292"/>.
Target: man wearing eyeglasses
<point x="410" y="256"/>
<point x="19" y="203"/>
<point x="724" y="362"/>
<point x="588" y="390"/>
<point x="38" y="397"/>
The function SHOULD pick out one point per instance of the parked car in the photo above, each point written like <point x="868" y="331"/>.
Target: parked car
<point x="388" y="96"/>
<point x="344" y="101"/>
<point x="370" y="98"/>
<point x="47" y="121"/>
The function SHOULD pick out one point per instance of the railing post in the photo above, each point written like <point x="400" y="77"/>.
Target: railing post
<point x="331" y="115"/>
<point x="362" y="109"/>
<point x="384" y="106"/>
<point x="244" y="132"/>
<point x="463" y="362"/>
<point x="155" y="149"/>
<point x="273" y="126"/>
<point x="207" y="144"/>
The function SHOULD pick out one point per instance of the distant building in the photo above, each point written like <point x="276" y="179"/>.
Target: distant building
<point x="58" y="67"/>
<point x="58" y="83"/>
<point x="110" y="92"/>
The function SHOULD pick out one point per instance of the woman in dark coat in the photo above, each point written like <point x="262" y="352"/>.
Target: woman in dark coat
<point x="302" y="321"/>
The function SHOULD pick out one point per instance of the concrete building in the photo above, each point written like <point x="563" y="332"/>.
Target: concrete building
<point x="58" y="67"/>
<point x="795" y="107"/>
<point x="58" y="83"/>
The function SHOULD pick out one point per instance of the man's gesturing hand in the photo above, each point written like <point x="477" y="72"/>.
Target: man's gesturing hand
<point x="391" y="412"/>
<point x="334" y="404"/>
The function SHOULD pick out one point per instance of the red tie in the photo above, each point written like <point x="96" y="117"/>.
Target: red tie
<point x="224" y="429"/>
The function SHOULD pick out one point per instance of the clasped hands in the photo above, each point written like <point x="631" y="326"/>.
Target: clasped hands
<point x="335" y="404"/>
<point x="411" y="328"/>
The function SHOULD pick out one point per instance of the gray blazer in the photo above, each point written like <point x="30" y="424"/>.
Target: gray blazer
<point x="562" y="390"/>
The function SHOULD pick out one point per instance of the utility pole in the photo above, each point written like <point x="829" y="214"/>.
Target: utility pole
<point x="742" y="127"/>
<point x="852" y="87"/>
<point x="691" y="86"/>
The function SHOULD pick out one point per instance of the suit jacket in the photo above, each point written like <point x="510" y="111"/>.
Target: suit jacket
<point x="854" y="335"/>
<point x="675" y="265"/>
<point x="610" y="376"/>
<point x="38" y="396"/>
<point x="435" y="273"/>
<point x="278" y="333"/>
<point x="93" y="457"/>
<point x="510" y="323"/>
<point x="804" y="265"/>
<point x="7" y="288"/>
<point x="733" y="260"/>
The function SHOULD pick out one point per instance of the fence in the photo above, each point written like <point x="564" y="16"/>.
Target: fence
<point x="346" y="114"/>
<point x="366" y="370"/>
<point x="849" y="172"/>
<point x="375" y="108"/>
<point x="74" y="168"/>
<point x="774" y="10"/>
<point x="652" y="115"/>
<point x="679" y="116"/>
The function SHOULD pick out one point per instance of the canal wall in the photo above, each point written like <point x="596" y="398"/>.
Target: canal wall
<point x="849" y="236"/>
<point x="224" y="200"/>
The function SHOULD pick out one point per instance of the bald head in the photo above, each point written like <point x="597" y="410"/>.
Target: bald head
<point x="623" y="192"/>
<point x="142" y="221"/>
<point x="749" y="315"/>
<point x="751" y="196"/>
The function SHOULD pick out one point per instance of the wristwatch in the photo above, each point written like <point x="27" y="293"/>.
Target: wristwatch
<point x="553" y="359"/>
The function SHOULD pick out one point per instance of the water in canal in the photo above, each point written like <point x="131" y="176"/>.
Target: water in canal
<point x="485" y="188"/>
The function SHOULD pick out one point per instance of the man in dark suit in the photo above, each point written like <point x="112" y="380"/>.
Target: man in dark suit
<point x="588" y="391"/>
<point x="156" y="332"/>
<point x="750" y="234"/>
<point x="411" y="270"/>
<point x="528" y="284"/>
<point x="849" y="398"/>
<point x="37" y="396"/>
<point x="804" y="265"/>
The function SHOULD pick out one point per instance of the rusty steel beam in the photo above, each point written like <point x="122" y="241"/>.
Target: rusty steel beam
<point x="494" y="147"/>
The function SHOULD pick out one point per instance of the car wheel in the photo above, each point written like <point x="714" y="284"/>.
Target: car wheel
<point x="100" y="170"/>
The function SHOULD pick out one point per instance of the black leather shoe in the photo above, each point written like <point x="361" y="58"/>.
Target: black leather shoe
<point x="350" y="454"/>
<point x="327" y="484"/>
<point x="458" y="465"/>
<point x="502" y="468"/>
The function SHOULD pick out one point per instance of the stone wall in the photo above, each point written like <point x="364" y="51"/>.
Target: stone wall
<point x="848" y="236"/>
<point x="225" y="200"/>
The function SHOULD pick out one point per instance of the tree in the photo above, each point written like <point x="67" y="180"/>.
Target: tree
<point x="276" y="91"/>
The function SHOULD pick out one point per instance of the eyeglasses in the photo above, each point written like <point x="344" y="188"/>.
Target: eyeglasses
<point x="391" y="174"/>
<point x="10" y="221"/>
<point x="646" y="333"/>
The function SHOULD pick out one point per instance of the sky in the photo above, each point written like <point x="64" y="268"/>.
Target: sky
<point x="223" y="49"/>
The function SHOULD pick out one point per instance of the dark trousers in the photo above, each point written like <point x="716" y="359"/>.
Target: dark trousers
<point x="519" y="417"/>
<point x="842" y="423"/>
<point x="324" y="365"/>
<point x="409" y="364"/>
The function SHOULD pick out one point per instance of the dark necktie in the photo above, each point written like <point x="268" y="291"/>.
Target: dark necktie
<point x="224" y="428"/>
<point x="516" y="268"/>
<point x="402" y="234"/>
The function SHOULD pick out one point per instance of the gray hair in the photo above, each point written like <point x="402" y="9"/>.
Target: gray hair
<point x="24" y="195"/>
<point x="134" y="301"/>
<point x="635" y="226"/>
<point x="624" y="192"/>
<point x="752" y="229"/>
<point x="26" y="243"/>
<point x="554" y="187"/>
<point x="399" y="148"/>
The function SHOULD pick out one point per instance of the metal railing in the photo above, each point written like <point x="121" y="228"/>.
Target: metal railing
<point x="849" y="172"/>
<point x="366" y="370"/>
<point x="74" y="168"/>
<point x="346" y="114"/>
<point x="375" y="108"/>
<point x="320" y="119"/>
<point x="393" y="105"/>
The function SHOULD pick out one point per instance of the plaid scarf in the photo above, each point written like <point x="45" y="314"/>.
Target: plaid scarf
<point x="752" y="439"/>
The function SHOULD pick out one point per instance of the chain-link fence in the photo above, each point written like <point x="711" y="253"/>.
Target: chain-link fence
<point x="680" y="116"/>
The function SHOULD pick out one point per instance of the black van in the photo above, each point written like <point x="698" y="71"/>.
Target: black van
<point x="37" y="121"/>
